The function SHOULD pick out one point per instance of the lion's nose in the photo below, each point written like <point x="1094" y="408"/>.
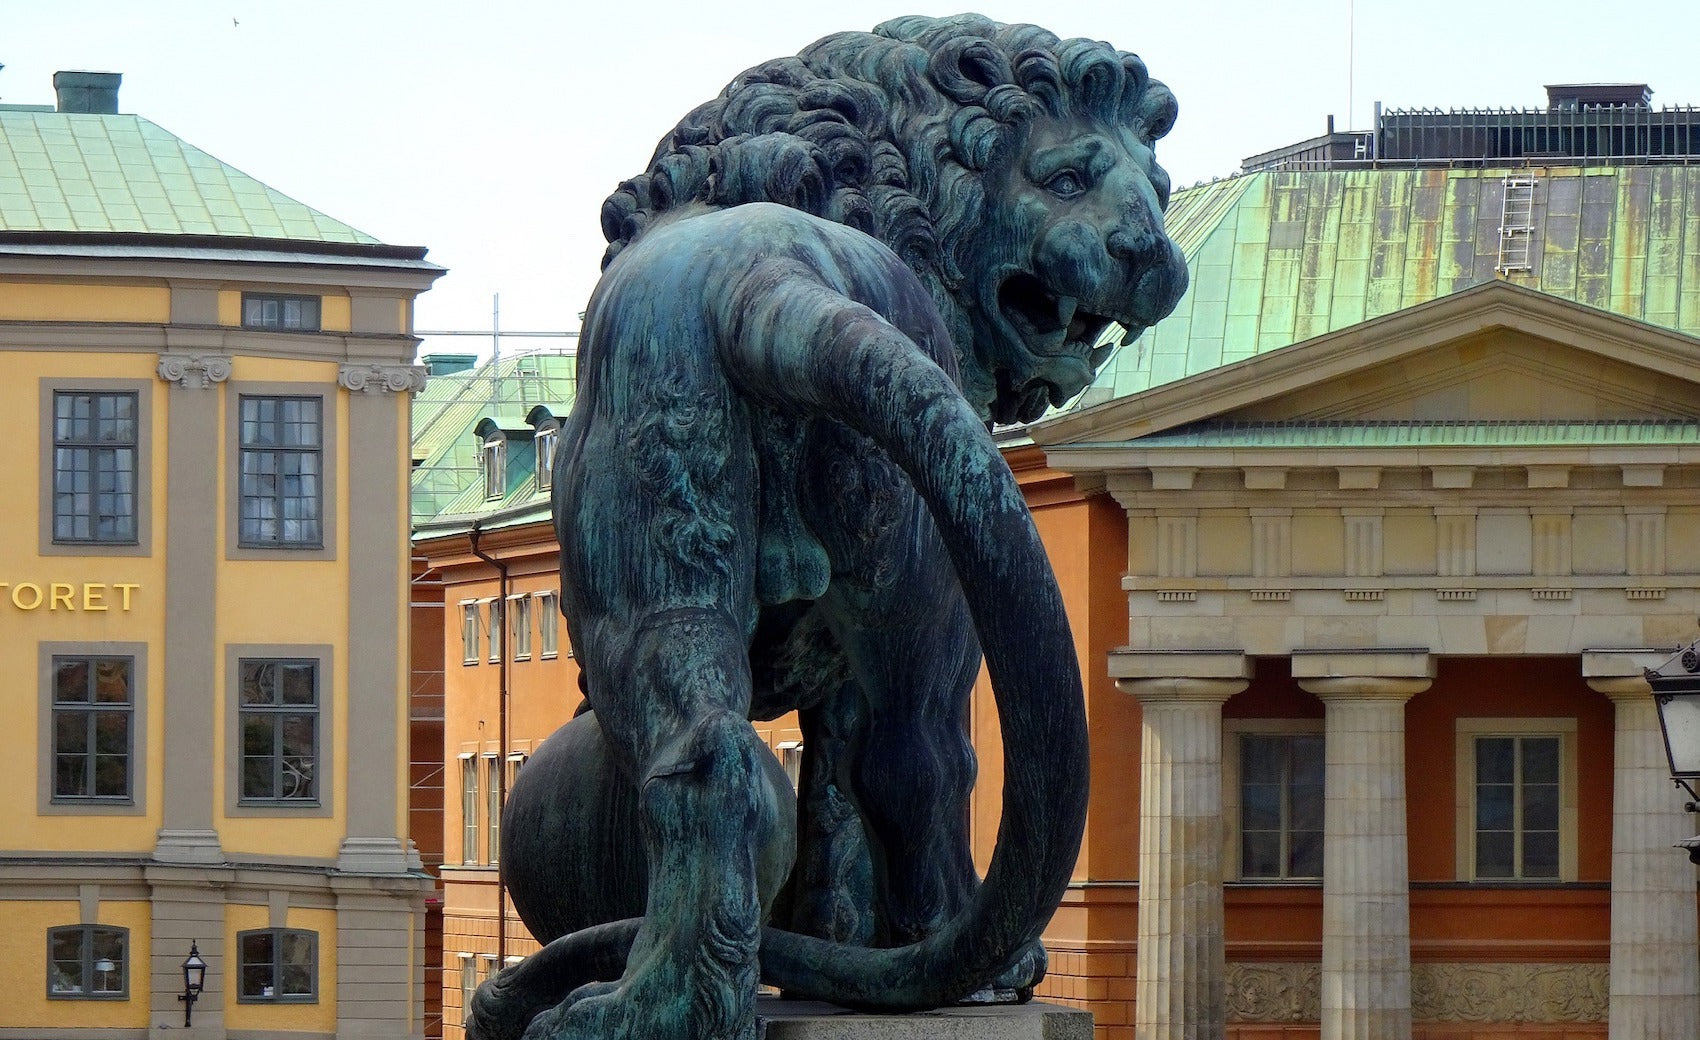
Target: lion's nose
<point x="1137" y="248"/>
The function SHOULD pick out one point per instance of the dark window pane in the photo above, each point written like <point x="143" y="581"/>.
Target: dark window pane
<point x="259" y="683"/>
<point x="1260" y="760"/>
<point x="111" y="732"/>
<point x="1540" y="854"/>
<point x="112" y="776"/>
<point x="259" y="734"/>
<point x="300" y="735"/>
<point x="1494" y="855"/>
<point x="112" y="680"/>
<point x="1540" y="807"/>
<point x="1309" y="760"/>
<point x="1261" y="854"/>
<point x="1493" y="807"/>
<point x="1307" y="808"/>
<point x="70" y="776"/>
<point x="1495" y="761"/>
<point x="258" y="778"/>
<point x="1540" y="760"/>
<point x="71" y="732"/>
<point x="300" y="682"/>
<point x="1306" y="850"/>
<point x="71" y="681"/>
<point x="1262" y="810"/>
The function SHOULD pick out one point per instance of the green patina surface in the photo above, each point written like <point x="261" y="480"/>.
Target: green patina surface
<point x="1369" y="434"/>
<point x="1279" y="258"/>
<point x="448" y="482"/>
<point x="106" y="174"/>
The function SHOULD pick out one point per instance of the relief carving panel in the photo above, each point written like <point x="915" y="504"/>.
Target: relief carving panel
<point x="1292" y="992"/>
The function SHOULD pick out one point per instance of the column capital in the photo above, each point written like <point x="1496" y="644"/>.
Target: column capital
<point x="1178" y="689"/>
<point x="194" y="371"/>
<point x="1373" y="672"/>
<point x="1621" y="674"/>
<point x="1171" y="676"/>
<point x="375" y="378"/>
<point x="1364" y="688"/>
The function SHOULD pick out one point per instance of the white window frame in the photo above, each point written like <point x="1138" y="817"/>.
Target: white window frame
<point x="519" y="625"/>
<point x="1466" y="731"/>
<point x="468" y="981"/>
<point x="493" y="455"/>
<point x="1232" y="731"/>
<point x="470" y="806"/>
<point x="470" y="630"/>
<point x="493" y="765"/>
<point x="791" y="760"/>
<point x="495" y="617"/>
<point x="548" y="624"/>
<point x="545" y="442"/>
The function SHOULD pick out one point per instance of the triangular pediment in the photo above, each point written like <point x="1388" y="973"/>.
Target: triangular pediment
<point x="1493" y="353"/>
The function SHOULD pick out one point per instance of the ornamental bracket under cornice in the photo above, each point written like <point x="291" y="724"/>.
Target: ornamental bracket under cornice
<point x="374" y="378"/>
<point x="194" y="371"/>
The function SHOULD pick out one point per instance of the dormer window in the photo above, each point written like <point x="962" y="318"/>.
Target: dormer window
<point x="547" y="437"/>
<point x="495" y="458"/>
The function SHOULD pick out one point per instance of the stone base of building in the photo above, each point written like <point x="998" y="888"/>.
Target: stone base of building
<point x="814" y="1020"/>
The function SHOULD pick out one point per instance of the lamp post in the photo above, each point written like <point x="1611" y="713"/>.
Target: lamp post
<point x="1677" y="695"/>
<point x="194" y="980"/>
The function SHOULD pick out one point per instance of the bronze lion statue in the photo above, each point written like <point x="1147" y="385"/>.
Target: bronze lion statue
<point x="777" y="490"/>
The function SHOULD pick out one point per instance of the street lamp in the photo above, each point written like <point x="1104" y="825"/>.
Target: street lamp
<point x="1677" y="695"/>
<point x="194" y="980"/>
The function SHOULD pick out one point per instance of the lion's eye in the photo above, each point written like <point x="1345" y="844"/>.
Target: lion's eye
<point x="1066" y="185"/>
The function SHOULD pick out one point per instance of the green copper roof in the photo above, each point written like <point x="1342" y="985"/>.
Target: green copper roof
<point x="1418" y="434"/>
<point x="1280" y="257"/>
<point x="106" y="174"/>
<point x="447" y="480"/>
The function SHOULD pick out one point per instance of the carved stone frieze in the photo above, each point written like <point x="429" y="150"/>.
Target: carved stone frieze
<point x="374" y="379"/>
<point x="1283" y="991"/>
<point x="194" y="371"/>
<point x="1510" y="992"/>
<point x="1292" y="992"/>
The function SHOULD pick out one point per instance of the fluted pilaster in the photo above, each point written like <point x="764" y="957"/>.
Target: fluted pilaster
<point x="1655" y="976"/>
<point x="1366" y="901"/>
<point x="1180" y="961"/>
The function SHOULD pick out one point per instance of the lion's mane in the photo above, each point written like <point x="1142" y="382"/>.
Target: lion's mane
<point x="887" y="132"/>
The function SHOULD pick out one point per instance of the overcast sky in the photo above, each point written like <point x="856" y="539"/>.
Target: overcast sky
<point x="490" y="132"/>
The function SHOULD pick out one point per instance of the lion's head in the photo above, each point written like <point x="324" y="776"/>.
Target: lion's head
<point x="1011" y="170"/>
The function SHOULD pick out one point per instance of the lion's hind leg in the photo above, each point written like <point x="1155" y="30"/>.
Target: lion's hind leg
<point x="716" y="820"/>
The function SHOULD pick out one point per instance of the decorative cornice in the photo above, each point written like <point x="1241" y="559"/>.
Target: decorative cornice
<point x="375" y="378"/>
<point x="194" y="371"/>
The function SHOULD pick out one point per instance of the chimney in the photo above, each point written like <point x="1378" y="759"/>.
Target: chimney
<point x="90" y="93"/>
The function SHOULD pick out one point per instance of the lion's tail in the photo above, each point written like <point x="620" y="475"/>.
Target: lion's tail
<point x="804" y="347"/>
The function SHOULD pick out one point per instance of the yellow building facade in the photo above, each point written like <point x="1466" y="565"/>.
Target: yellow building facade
<point x="203" y="594"/>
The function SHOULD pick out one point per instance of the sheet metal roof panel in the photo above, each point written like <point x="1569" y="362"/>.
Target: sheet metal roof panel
<point x="141" y="179"/>
<point x="1622" y="239"/>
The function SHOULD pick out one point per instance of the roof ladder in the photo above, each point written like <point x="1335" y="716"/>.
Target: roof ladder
<point x="1516" y="224"/>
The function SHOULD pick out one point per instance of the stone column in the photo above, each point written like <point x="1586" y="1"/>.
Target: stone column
<point x="1366" y="892"/>
<point x="1655" y="975"/>
<point x="376" y="841"/>
<point x="187" y="833"/>
<point x="1181" y="962"/>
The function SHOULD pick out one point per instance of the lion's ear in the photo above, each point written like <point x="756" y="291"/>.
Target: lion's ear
<point x="1157" y="110"/>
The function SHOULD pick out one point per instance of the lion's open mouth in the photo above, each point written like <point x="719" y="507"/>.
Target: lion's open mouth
<point x="1050" y="324"/>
